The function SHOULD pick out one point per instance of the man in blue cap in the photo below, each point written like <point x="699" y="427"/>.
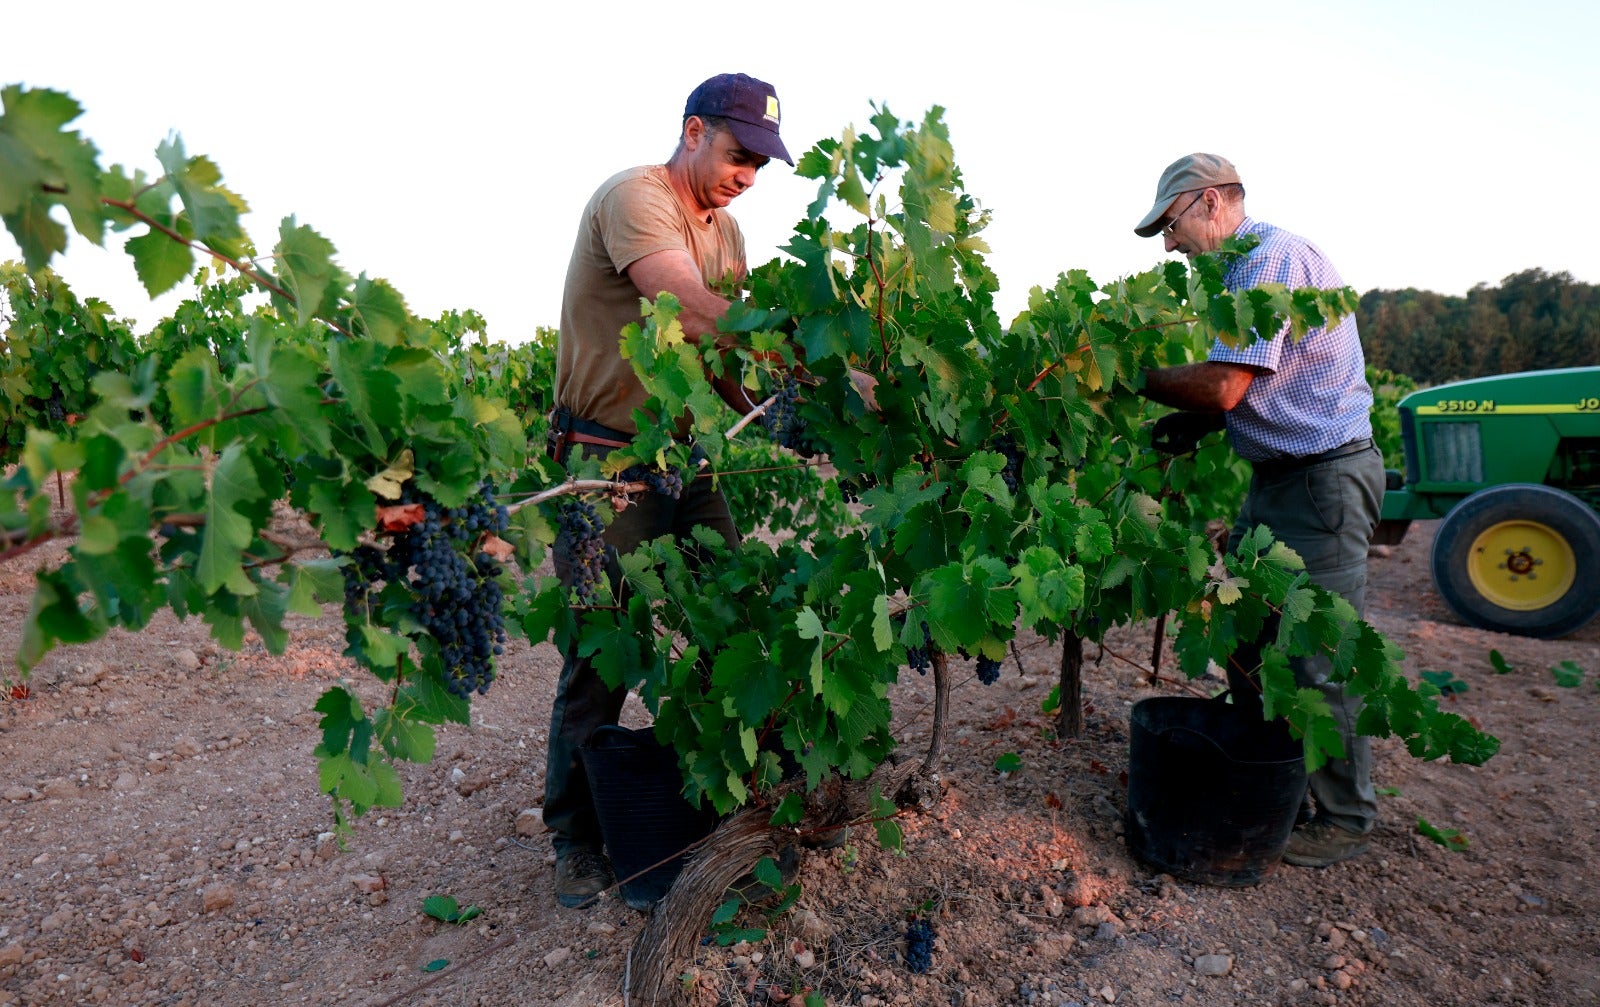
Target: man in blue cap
<point x="647" y="230"/>
<point x="1299" y="412"/>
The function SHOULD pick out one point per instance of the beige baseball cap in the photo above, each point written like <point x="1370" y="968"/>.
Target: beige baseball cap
<point x="1187" y="174"/>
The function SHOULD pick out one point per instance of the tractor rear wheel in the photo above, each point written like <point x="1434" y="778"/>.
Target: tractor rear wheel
<point x="1508" y="558"/>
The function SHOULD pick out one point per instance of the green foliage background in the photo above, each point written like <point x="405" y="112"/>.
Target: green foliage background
<point x="1532" y="320"/>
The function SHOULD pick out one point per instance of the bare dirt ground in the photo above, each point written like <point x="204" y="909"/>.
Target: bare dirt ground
<point x="165" y="843"/>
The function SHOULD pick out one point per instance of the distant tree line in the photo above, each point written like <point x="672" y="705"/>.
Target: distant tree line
<point x="1532" y="321"/>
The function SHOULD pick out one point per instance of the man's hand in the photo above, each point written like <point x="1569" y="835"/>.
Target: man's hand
<point x="1180" y="433"/>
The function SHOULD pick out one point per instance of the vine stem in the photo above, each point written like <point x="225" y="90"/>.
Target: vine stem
<point x="1143" y="328"/>
<point x="1155" y="647"/>
<point x="941" y="705"/>
<point x="1052" y="367"/>
<point x="749" y="418"/>
<point x="260" y="279"/>
<point x="189" y="431"/>
<point x="877" y="277"/>
<point x="69" y="526"/>
<point x="572" y="486"/>
<point x="1154" y="676"/>
<point x="27" y="545"/>
<point x="1123" y="482"/>
<point x="766" y="732"/>
<point x="612" y="486"/>
<point x="724" y="473"/>
<point x="1069" y="717"/>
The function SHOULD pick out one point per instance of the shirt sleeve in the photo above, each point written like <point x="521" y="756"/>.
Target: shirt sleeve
<point x="1263" y="266"/>
<point x="639" y="218"/>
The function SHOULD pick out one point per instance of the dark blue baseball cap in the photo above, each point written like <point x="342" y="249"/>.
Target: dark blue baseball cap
<point x="749" y="105"/>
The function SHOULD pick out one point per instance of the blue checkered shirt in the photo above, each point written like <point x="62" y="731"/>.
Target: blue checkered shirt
<point x="1313" y="394"/>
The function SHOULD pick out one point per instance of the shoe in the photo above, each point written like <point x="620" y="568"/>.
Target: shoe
<point x="1319" y="843"/>
<point x="582" y="876"/>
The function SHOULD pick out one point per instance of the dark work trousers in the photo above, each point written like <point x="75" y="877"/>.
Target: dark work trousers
<point x="583" y="702"/>
<point x="1325" y="511"/>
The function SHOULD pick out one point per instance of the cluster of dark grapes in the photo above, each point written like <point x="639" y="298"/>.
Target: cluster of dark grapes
<point x="782" y="418"/>
<point x="988" y="670"/>
<point x="851" y="487"/>
<point x="460" y="598"/>
<point x="367" y="567"/>
<point x="579" y="540"/>
<point x="919" y="946"/>
<point x="918" y="657"/>
<point x="667" y="482"/>
<point x="456" y="594"/>
<point x="53" y="407"/>
<point x="1012" y="473"/>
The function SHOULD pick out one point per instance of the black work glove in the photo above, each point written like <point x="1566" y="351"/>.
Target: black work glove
<point x="1180" y="433"/>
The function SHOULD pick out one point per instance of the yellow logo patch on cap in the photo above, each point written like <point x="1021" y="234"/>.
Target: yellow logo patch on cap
<point x="772" y="107"/>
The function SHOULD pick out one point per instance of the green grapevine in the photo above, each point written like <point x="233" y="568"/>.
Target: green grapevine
<point x="51" y="347"/>
<point x="1003" y="474"/>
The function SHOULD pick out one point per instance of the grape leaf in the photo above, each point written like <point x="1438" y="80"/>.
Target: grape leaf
<point x="753" y="685"/>
<point x="379" y="309"/>
<point x="160" y="262"/>
<point x="788" y="811"/>
<point x="227" y="531"/>
<point x="725" y="913"/>
<point x="306" y="270"/>
<point x="1450" y="839"/>
<point x="1445" y="681"/>
<point x="444" y="908"/>
<point x="1568" y="674"/>
<point x="213" y="212"/>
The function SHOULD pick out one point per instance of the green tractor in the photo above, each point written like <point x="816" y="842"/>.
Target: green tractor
<point x="1512" y="465"/>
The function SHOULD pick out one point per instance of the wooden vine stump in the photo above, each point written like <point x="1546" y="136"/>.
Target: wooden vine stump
<point x="652" y="976"/>
<point x="673" y="932"/>
<point x="1155" y="648"/>
<point x="941" y="702"/>
<point x="1069" y="717"/>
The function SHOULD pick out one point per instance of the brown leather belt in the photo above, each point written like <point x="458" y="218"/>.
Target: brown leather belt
<point x="576" y="437"/>
<point x="567" y="430"/>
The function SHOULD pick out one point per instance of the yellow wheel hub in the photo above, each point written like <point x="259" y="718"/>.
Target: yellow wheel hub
<point x="1521" y="565"/>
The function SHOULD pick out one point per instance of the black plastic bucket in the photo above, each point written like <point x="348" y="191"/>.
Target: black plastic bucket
<point x="644" y="819"/>
<point x="1212" y="793"/>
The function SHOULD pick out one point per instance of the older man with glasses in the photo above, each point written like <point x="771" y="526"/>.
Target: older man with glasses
<point x="1298" y="411"/>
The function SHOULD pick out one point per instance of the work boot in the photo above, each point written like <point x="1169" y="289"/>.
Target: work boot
<point x="1319" y="843"/>
<point x="581" y="877"/>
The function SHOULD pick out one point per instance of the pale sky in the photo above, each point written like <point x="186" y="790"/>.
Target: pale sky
<point x="450" y="148"/>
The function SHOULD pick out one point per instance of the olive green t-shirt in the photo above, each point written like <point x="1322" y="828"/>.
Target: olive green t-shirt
<point x="634" y="214"/>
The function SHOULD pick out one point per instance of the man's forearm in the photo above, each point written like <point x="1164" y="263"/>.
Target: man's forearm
<point x="1205" y="387"/>
<point x="673" y="271"/>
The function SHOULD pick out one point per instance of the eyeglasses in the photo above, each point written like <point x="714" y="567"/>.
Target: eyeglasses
<point x="1166" y="232"/>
